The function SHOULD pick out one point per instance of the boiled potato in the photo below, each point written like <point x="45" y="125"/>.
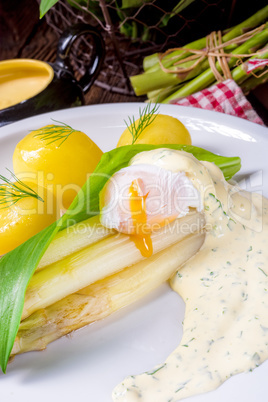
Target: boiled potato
<point x="23" y="219"/>
<point x="164" y="129"/>
<point x="57" y="157"/>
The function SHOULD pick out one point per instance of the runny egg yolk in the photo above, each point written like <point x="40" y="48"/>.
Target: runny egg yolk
<point x="138" y="200"/>
<point x="137" y="206"/>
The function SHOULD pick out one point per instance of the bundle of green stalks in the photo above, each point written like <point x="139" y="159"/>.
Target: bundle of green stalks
<point x="88" y="272"/>
<point x="164" y="87"/>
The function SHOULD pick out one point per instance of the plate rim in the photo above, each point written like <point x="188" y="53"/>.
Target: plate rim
<point x="186" y="112"/>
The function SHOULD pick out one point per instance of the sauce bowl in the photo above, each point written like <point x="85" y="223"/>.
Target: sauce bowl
<point x="29" y="87"/>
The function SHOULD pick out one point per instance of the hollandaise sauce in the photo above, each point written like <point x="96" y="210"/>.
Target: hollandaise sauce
<point x="225" y="289"/>
<point x="22" y="79"/>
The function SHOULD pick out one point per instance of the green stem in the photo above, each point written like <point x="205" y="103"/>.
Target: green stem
<point x="239" y="73"/>
<point x="160" y="94"/>
<point x="155" y="78"/>
<point x="252" y="82"/>
<point x="207" y="77"/>
<point x="147" y="82"/>
<point x="252" y="22"/>
<point x="151" y="63"/>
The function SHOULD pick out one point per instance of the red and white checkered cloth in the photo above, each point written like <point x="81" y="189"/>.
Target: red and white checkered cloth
<point x="225" y="97"/>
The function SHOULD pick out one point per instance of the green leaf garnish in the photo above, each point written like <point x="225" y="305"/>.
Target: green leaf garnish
<point x="55" y="132"/>
<point x="262" y="271"/>
<point x="18" y="266"/>
<point x="155" y="371"/>
<point x="45" y="6"/>
<point x="147" y="116"/>
<point x="220" y="206"/>
<point x="12" y="192"/>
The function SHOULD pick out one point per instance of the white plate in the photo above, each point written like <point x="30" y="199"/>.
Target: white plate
<point x="88" y="364"/>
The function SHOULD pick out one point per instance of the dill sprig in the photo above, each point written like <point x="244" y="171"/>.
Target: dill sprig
<point x="55" y="132"/>
<point x="12" y="192"/>
<point x="147" y="116"/>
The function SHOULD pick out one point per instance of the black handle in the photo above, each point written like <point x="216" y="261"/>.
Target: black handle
<point x="65" y="44"/>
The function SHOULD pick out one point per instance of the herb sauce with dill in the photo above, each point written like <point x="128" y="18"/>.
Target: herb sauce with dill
<point x="231" y="311"/>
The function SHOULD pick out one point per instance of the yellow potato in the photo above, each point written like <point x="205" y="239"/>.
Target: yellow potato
<point x="163" y="130"/>
<point x="57" y="157"/>
<point x="21" y="220"/>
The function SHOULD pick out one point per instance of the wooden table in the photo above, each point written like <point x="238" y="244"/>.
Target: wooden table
<point x="23" y="35"/>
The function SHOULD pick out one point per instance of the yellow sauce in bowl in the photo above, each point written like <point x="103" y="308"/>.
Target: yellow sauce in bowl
<point x="21" y="79"/>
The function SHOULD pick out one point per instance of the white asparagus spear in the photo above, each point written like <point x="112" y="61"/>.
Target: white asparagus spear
<point x="104" y="297"/>
<point x="98" y="261"/>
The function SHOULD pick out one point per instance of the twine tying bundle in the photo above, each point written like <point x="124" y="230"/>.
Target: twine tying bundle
<point x="214" y="51"/>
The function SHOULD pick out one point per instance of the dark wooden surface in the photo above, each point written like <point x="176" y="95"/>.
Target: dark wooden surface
<point x="23" y="35"/>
